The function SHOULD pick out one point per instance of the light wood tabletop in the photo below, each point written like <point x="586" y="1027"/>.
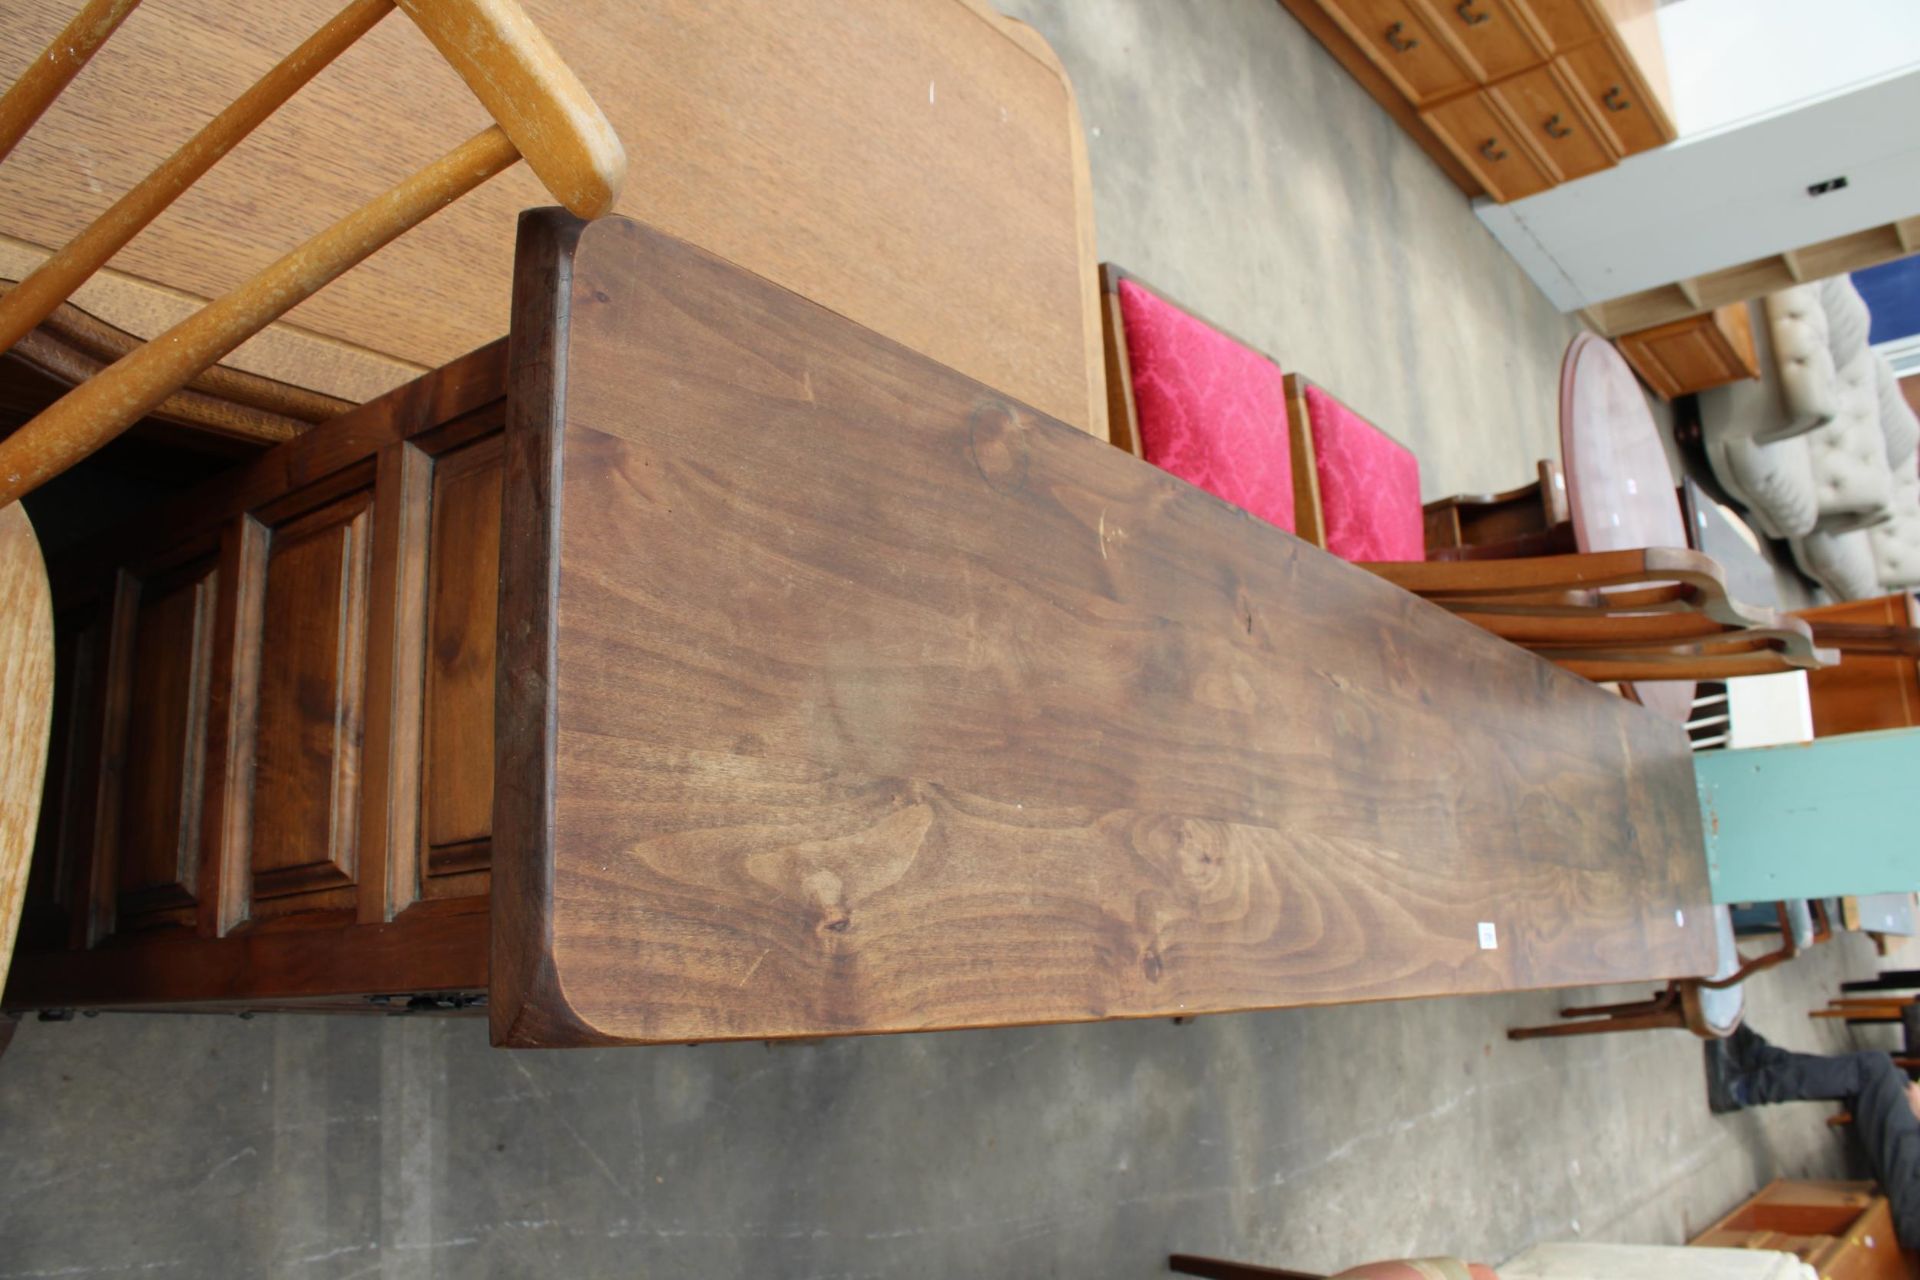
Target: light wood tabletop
<point x="917" y="165"/>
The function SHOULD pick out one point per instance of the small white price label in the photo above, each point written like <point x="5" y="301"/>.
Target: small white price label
<point x="1489" y="939"/>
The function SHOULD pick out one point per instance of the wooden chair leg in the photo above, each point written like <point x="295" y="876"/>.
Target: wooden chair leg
<point x="1890" y="980"/>
<point x="1653" y="1004"/>
<point x="1220" y="1269"/>
<point x="1602" y="1026"/>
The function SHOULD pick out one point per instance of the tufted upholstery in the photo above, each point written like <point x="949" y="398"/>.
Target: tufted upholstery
<point x="1824" y="448"/>
<point x="1212" y="411"/>
<point x="1803" y="359"/>
<point x="1851" y="479"/>
<point x="1840" y="562"/>
<point x="1773" y="481"/>
<point x="1848" y="322"/>
<point x="1896" y="542"/>
<point x="1902" y="429"/>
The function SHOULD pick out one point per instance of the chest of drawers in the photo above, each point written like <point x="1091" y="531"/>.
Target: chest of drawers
<point x="1520" y="94"/>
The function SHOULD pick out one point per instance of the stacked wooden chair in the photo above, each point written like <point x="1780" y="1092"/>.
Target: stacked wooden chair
<point x="1192" y="399"/>
<point x="541" y="113"/>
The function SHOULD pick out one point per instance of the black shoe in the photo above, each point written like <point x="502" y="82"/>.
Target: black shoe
<point x="1747" y="1048"/>
<point x="1722" y="1077"/>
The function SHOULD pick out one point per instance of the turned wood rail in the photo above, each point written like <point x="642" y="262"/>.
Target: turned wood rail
<point x="541" y="114"/>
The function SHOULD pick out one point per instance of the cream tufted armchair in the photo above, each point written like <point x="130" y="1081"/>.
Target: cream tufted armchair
<point x="1822" y="450"/>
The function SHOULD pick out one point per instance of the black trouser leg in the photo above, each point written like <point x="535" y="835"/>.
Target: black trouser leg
<point x="1876" y="1092"/>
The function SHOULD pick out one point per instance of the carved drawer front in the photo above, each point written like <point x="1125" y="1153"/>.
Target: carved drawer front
<point x="1620" y="104"/>
<point x="1544" y="109"/>
<point x="1565" y="23"/>
<point x="310" y="666"/>
<point x="1489" y="146"/>
<point x="463" y="584"/>
<point x="1498" y="38"/>
<point x="157" y="745"/>
<point x="1423" y="65"/>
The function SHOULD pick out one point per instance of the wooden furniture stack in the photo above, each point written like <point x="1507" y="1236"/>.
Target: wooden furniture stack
<point x="826" y="690"/>
<point x="1510" y="97"/>
<point x="1844" y="1230"/>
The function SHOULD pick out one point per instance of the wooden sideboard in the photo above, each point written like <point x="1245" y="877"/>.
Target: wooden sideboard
<point x="1510" y="97"/>
<point x="825" y="690"/>
<point x="917" y="165"/>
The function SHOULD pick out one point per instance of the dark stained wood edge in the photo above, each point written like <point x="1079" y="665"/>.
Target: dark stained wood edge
<point x="526" y="1007"/>
<point x="1308" y="521"/>
<point x="1123" y="415"/>
<point x="439" y="950"/>
<point x="103" y="853"/>
<point x="226" y="809"/>
<point x="396" y="675"/>
<point x="1349" y="55"/>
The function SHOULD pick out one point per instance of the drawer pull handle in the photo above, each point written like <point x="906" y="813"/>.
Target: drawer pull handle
<point x="1468" y="16"/>
<point x="1397" y="42"/>
<point x="1615" y="100"/>
<point x="1492" y="150"/>
<point x="1557" y="130"/>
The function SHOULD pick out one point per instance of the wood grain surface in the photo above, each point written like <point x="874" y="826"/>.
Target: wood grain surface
<point x="917" y="165"/>
<point x="840" y="694"/>
<point x="26" y="709"/>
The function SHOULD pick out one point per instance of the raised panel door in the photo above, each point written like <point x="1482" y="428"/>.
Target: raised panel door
<point x="462" y="602"/>
<point x="157" y="831"/>
<point x="306" y="774"/>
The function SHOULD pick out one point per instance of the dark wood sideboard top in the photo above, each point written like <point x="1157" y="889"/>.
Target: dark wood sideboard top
<point x="840" y="694"/>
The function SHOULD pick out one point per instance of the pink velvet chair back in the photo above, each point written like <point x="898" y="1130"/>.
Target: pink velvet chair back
<point x="1209" y="408"/>
<point x="1362" y="487"/>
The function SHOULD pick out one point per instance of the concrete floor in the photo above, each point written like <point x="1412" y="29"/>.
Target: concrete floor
<point x="1238" y="168"/>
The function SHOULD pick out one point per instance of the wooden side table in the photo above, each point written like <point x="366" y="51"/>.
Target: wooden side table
<point x="1694" y="354"/>
<point x="1839" y="1228"/>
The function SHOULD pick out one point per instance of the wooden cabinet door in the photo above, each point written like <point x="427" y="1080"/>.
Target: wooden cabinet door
<point x="309" y="692"/>
<point x="1421" y="59"/>
<point x="273" y="779"/>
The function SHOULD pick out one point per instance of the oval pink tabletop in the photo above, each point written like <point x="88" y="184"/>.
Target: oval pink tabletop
<point x="1620" y="490"/>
